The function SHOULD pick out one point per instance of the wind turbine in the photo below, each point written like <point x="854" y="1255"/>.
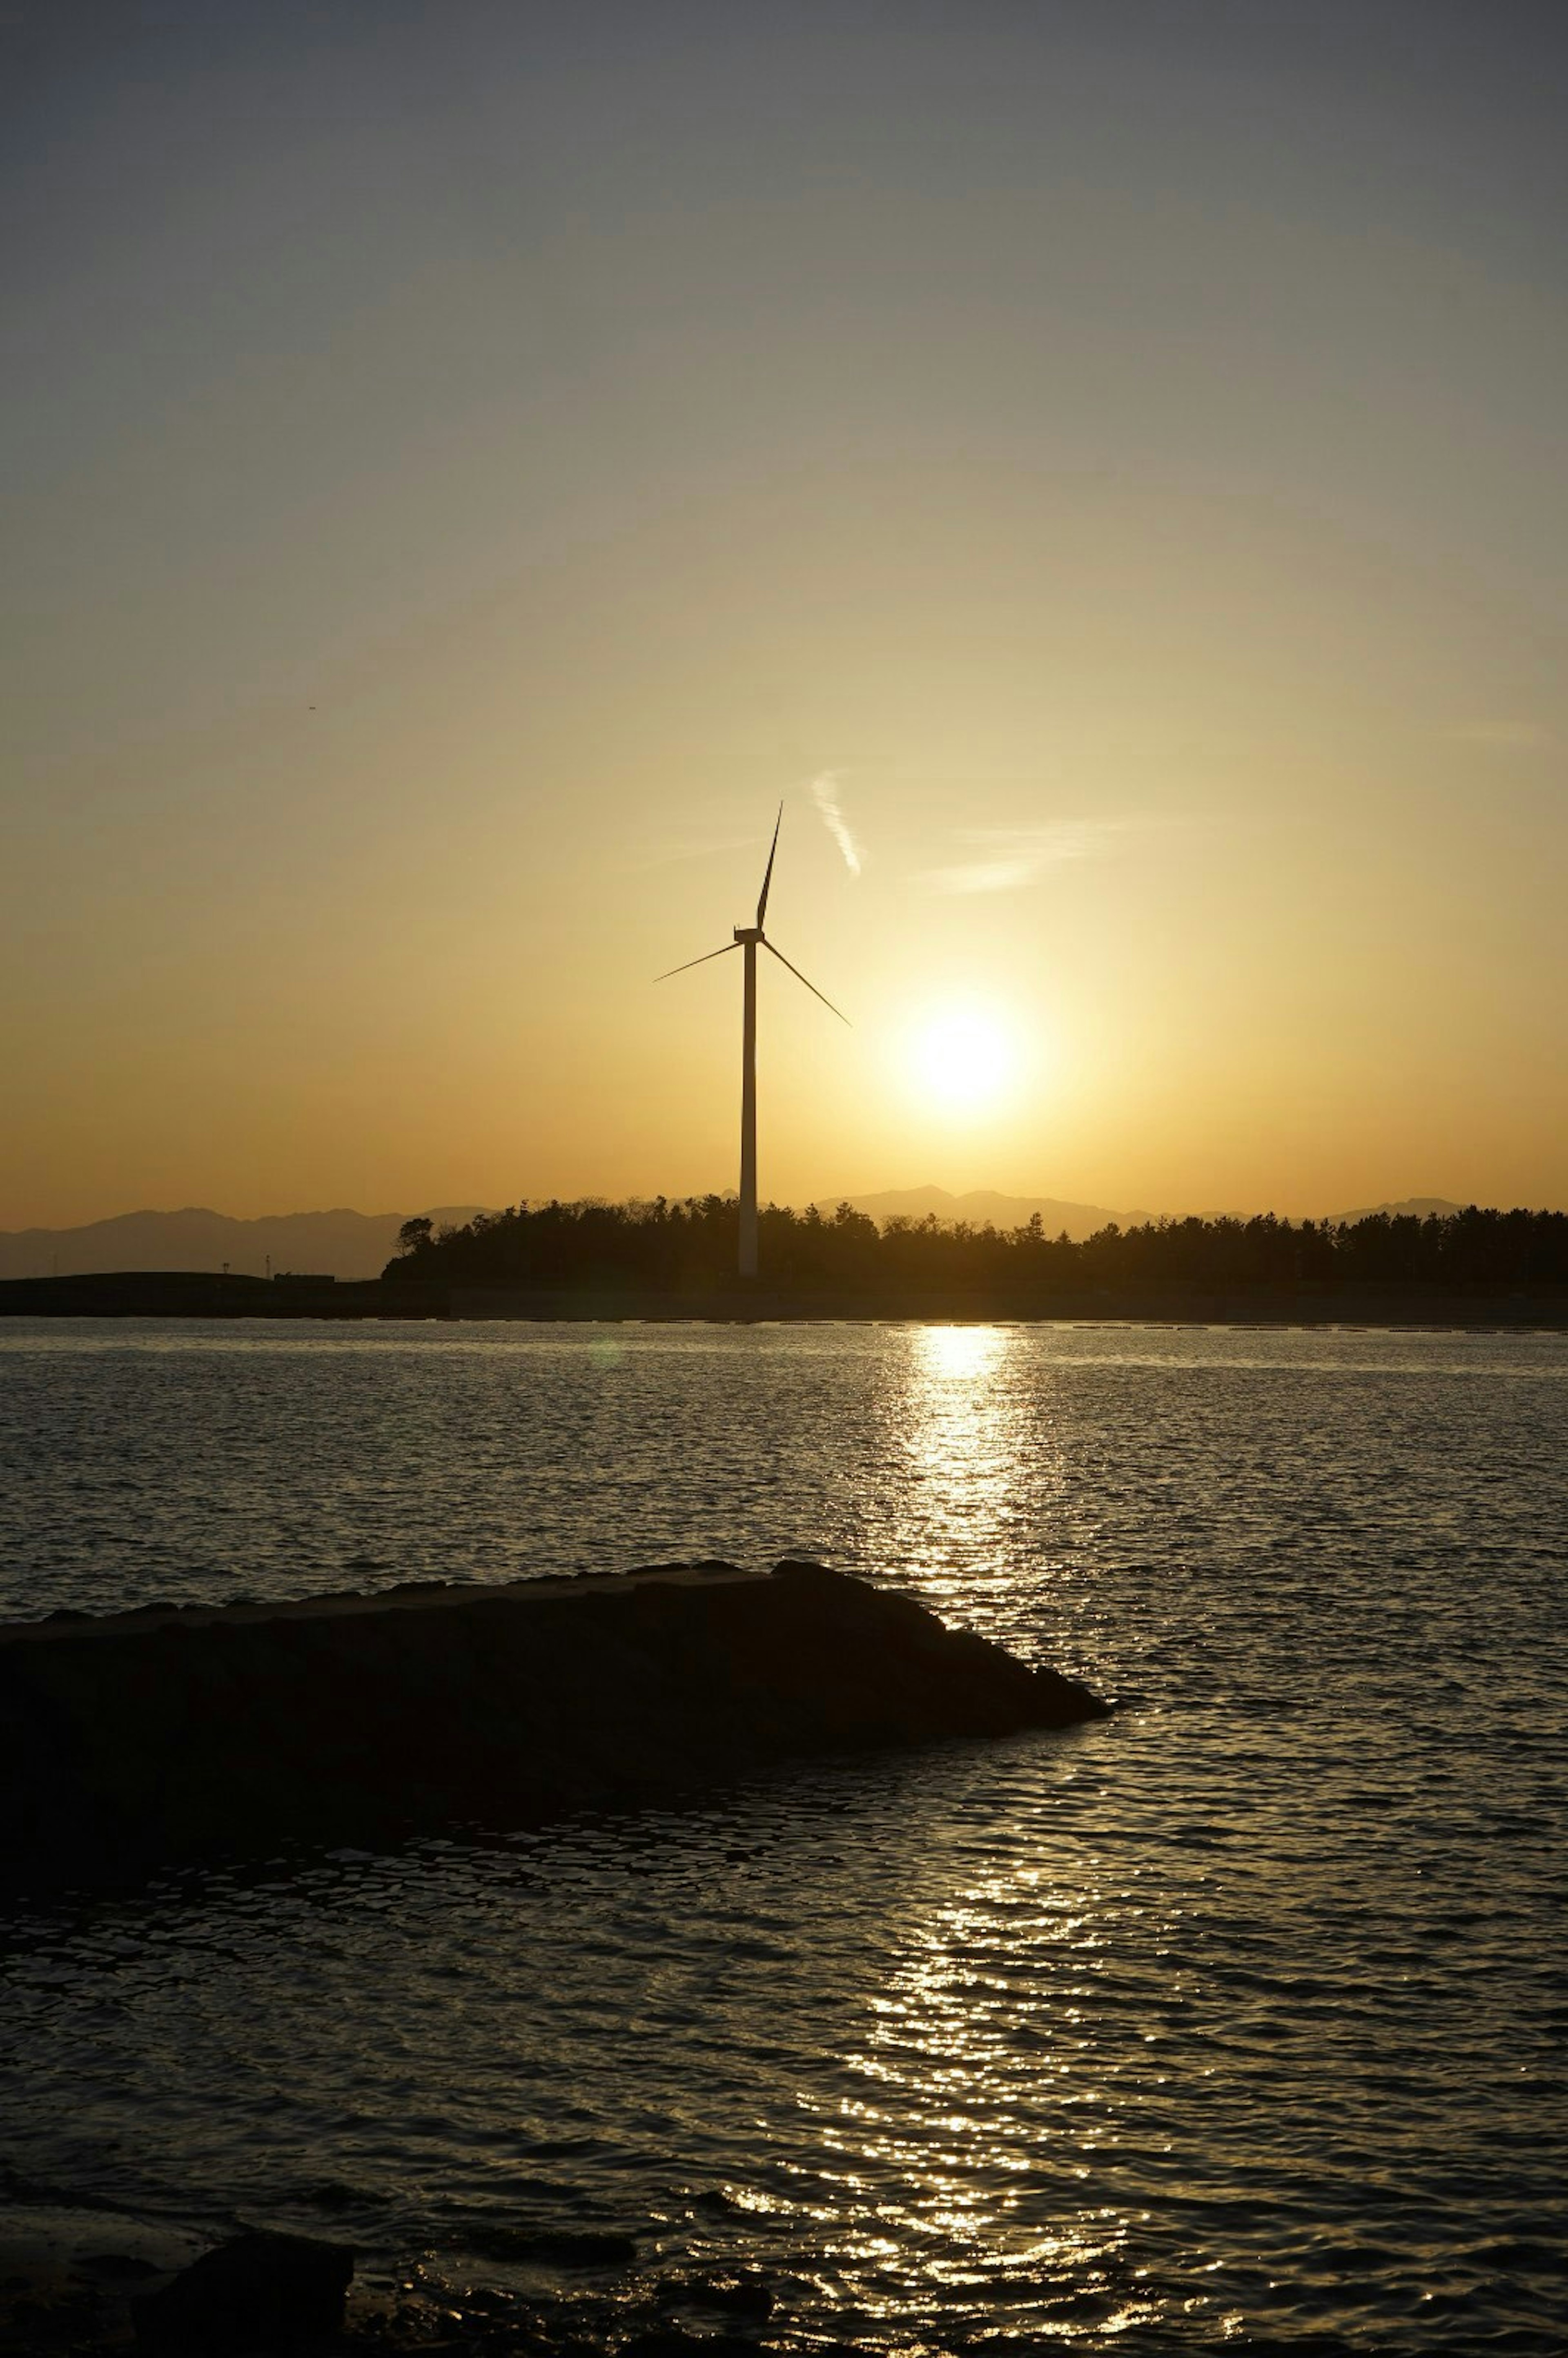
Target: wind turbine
<point x="747" y="938"/>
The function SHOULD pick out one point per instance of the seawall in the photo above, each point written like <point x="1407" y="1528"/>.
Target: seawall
<point x="170" y="1735"/>
<point x="198" y="1293"/>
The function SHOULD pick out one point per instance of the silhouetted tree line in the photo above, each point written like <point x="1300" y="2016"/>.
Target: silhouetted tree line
<point x="663" y="1246"/>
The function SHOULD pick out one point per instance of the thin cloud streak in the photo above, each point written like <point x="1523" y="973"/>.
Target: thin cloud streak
<point x="673" y="855"/>
<point x="825" y="794"/>
<point x="1506" y="736"/>
<point x="1016" y="855"/>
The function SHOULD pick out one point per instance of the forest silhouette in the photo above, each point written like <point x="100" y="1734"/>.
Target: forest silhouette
<point x="679" y="1245"/>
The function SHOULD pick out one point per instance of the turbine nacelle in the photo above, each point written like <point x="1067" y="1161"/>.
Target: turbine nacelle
<point x="751" y="936"/>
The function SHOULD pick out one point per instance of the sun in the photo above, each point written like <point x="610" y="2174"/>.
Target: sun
<point x="962" y="1060"/>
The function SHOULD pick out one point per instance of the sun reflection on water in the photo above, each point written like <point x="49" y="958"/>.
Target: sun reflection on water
<point x="985" y="2016"/>
<point x="957" y="1353"/>
<point x="970" y="1436"/>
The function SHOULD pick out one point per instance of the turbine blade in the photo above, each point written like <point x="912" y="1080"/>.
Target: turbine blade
<point x="701" y="962"/>
<point x="763" y="904"/>
<point x="810" y="986"/>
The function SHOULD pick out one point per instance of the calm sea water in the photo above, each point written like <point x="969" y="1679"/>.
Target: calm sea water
<point x="1234" y="2022"/>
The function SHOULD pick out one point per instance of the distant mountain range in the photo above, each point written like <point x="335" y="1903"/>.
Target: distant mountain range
<point x="344" y="1244"/>
<point x="339" y="1244"/>
<point x="982" y="1205"/>
<point x="1080" y="1221"/>
<point x="1414" y="1206"/>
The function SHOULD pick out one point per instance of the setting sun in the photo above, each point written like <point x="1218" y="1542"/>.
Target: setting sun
<point x="963" y="1060"/>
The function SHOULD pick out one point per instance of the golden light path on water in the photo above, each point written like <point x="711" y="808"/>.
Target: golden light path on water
<point x="963" y="1445"/>
<point x="937" y="2147"/>
<point x="934" y="2152"/>
<point x="970" y="1429"/>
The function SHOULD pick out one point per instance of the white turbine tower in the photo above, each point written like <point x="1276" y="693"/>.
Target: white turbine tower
<point x="747" y="938"/>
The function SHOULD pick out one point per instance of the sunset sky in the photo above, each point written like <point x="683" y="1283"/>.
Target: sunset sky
<point x="1103" y="466"/>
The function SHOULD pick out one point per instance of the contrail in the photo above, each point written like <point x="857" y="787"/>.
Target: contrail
<point x="825" y="794"/>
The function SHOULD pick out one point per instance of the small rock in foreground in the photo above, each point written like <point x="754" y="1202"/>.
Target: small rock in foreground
<point x="256" y="2291"/>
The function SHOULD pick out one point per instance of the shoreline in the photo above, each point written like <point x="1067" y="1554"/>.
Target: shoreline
<point x="74" y="2265"/>
<point x="202" y="1294"/>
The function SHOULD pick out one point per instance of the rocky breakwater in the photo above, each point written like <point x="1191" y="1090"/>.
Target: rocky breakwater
<point x="167" y="1735"/>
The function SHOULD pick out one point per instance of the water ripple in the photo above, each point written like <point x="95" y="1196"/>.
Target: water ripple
<point x="1235" y="2022"/>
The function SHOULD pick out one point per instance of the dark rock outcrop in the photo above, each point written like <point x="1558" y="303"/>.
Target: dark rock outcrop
<point x="258" y="2292"/>
<point x="166" y="1736"/>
